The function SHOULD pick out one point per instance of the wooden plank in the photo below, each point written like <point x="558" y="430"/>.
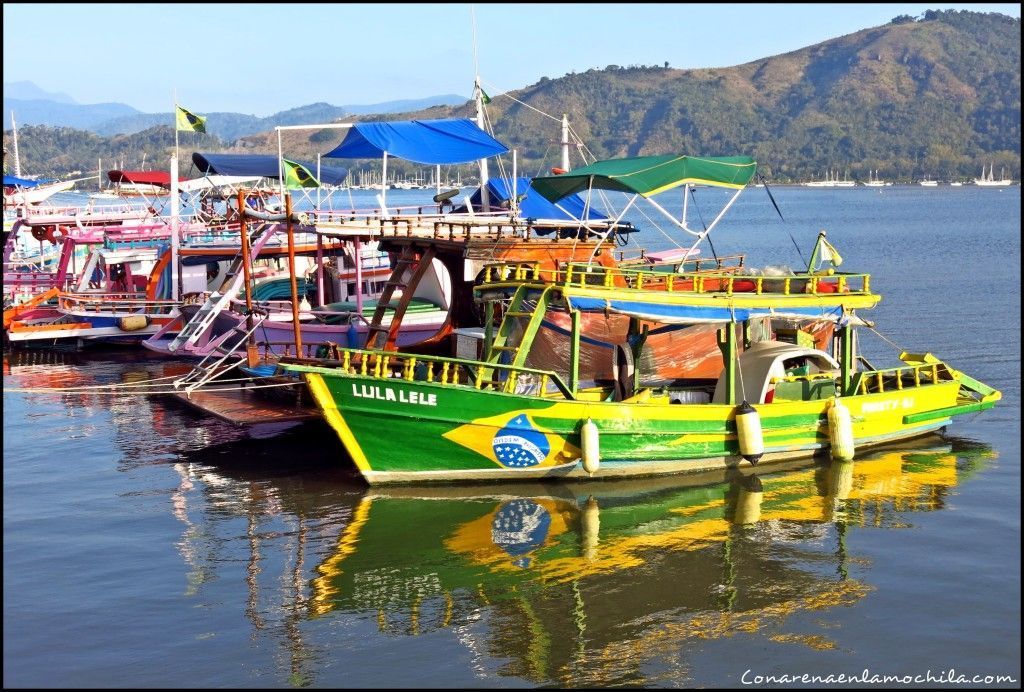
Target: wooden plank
<point x="244" y="407"/>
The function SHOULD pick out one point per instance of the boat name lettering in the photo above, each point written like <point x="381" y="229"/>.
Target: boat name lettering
<point x="372" y="391"/>
<point x="881" y="406"/>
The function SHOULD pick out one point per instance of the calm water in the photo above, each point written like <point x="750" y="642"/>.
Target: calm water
<point x="146" y="546"/>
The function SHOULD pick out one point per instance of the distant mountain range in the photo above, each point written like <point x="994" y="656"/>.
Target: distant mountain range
<point x="34" y="106"/>
<point x="935" y="96"/>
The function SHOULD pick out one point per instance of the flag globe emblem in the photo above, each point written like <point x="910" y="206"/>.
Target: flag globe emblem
<point x="520" y="526"/>
<point x="519" y="444"/>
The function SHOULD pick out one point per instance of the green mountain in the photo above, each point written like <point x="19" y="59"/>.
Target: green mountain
<point x="937" y="96"/>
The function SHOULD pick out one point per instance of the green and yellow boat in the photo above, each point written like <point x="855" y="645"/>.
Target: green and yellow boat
<point x="589" y="371"/>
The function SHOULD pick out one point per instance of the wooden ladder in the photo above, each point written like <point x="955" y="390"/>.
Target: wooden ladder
<point x="384" y="338"/>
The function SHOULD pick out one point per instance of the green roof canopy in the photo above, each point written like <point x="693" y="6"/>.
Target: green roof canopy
<point x="649" y="175"/>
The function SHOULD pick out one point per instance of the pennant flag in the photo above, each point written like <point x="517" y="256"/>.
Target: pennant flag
<point x="824" y="252"/>
<point x="189" y="121"/>
<point x="484" y="97"/>
<point x="296" y="176"/>
<point x="829" y="254"/>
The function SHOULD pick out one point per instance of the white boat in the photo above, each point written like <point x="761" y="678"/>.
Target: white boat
<point x="24" y="192"/>
<point x="988" y="180"/>
<point x="831" y="180"/>
<point x="875" y="181"/>
<point x="928" y="183"/>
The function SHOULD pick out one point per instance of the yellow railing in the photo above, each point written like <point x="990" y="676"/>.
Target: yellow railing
<point x="387" y="365"/>
<point x="899" y="378"/>
<point x="701" y="282"/>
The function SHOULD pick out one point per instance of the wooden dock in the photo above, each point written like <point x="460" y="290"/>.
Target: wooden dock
<point x="244" y="407"/>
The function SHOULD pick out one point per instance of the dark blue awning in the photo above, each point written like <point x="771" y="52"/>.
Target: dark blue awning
<point x="419" y="141"/>
<point x="533" y="205"/>
<point x="263" y="165"/>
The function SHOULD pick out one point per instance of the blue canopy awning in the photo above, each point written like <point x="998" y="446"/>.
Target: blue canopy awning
<point x="533" y="205"/>
<point x="263" y="165"/>
<point x="11" y="181"/>
<point x="668" y="313"/>
<point x="419" y="141"/>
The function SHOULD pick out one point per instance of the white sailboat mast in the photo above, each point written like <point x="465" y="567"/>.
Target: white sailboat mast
<point x="478" y="96"/>
<point x="565" y="142"/>
<point x="17" y="161"/>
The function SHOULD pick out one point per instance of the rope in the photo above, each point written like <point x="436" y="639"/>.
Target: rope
<point x="700" y="216"/>
<point x="44" y="390"/>
<point x="886" y="339"/>
<point x="115" y="387"/>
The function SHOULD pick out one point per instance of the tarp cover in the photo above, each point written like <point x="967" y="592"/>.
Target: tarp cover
<point x="419" y="141"/>
<point x="263" y="165"/>
<point x="161" y="178"/>
<point x="533" y="206"/>
<point x="649" y="175"/>
<point x="11" y="181"/>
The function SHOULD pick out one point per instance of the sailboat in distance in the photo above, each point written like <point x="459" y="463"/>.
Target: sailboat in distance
<point x="988" y="180"/>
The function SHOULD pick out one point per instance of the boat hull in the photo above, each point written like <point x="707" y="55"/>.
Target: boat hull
<point x="407" y="431"/>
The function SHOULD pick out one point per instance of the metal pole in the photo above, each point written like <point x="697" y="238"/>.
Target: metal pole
<point x="384" y="186"/>
<point x="175" y="240"/>
<point x="280" y="168"/>
<point x="357" y="242"/>
<point x="319" y="270"/>
<point x="297" y="329"/>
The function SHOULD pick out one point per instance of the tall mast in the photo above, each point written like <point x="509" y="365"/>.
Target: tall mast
<point x="565" y="142"/>
<point x="478" y="96"/>
<point x="17" y="161"/>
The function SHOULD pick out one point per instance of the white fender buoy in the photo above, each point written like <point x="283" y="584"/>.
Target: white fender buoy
<point x="132" y="323"/>
<point x="840" y="480"/>
<point x="840" y="431"/>
<point x="591" y="447"/>
<point x="590" y="527"/>
<point x="748" y="433"/>
<point x="748" y="502"/>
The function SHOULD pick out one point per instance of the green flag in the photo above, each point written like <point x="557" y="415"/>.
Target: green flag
<point x="190" y="122"/>
<point x="484" y="97"/>
<point x="296" y="175"/>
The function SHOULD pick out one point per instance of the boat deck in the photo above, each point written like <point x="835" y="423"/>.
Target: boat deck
<point x="244" y="407"/>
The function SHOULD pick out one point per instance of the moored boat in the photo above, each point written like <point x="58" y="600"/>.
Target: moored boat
<point x="572" y="385"/>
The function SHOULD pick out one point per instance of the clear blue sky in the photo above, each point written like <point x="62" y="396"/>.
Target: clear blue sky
<point x="261" y="59"/>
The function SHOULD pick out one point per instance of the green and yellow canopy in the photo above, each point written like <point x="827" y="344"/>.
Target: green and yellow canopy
<point x="649" y="175"/>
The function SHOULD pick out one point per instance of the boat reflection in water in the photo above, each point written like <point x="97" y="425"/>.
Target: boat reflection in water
<point x="584" y="584"/>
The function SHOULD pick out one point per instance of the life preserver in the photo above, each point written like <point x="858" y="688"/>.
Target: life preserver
<point x="43" y="233"/>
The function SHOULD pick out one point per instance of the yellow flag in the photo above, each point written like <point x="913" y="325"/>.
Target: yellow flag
<point x="189" y="122"/>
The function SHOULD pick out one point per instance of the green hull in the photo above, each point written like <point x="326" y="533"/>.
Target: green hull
<point x="409" y="431"/>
